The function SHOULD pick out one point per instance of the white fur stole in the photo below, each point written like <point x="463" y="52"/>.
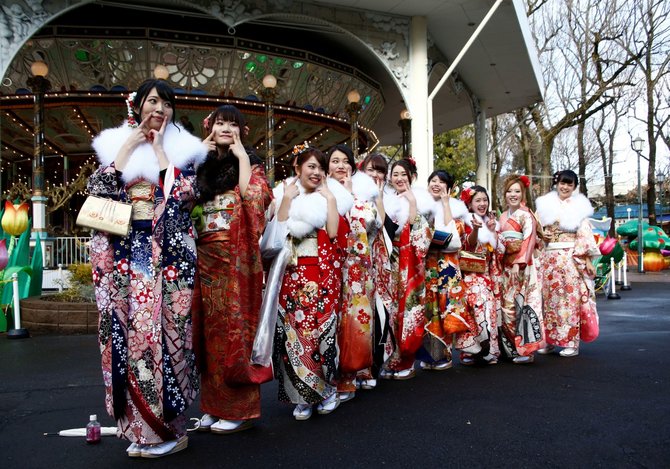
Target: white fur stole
<point x="364" y="187"/>
<point x="181" y="149"/>
<point x="569" y="213"/>
<point x="484" y="235"/>
<point x="458" y="212"/>
<point x="309" y="211"/>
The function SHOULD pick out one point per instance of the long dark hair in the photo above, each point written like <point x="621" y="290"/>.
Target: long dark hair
<point x="444" y="176"/>
<point x="474" y="190"/>
<point x="378" y="162"/>
<point x="163" y="89"/>
<point x="219" y="174"/>
<point x="567" y="175"/>
<point x="342" y="148"/>
<point x="409" y="167"/>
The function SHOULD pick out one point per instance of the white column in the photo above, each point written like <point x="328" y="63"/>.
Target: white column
<point x="483" y="166"/>
<point x="418" y="96"/>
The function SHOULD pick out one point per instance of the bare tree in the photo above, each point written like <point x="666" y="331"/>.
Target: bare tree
<point x="652" y="21"/>
<point x="605" y="128"/>
<point x="584" y="64"/>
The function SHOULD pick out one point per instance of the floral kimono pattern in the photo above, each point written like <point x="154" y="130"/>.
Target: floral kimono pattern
<point x="569" y="291"/>
<point x="444" y="295"/>
<point x="521" y="302"/>
<point x="144" y="287"/>
<point x="356" y="316"/>
<point x="231" y="273"/>
<point x="407" y="318"/>
<point x="306" y="335"/>
<point x="482" y="300"/>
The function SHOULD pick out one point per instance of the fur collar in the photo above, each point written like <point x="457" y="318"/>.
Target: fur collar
<point x="484" y="235"/>
<point x="458" y="212"/>
<point x="181" y="149"/>
<point x="309" y="210"/>
<point x="397" y="207"/>
<point x="364" y="187"/>
<point x="569" y="213"/>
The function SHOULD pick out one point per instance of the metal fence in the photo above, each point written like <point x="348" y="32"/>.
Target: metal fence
<point x="68" y="250"/>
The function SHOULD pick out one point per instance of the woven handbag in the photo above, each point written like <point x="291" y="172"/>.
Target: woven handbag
<point x="104" y="214"/>
<point x="472" y="262"/>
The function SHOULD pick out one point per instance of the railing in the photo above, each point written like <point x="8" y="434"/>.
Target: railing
<point x="66" y="251"/>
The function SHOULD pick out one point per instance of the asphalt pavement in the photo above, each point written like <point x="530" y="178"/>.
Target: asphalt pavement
<point x="608" y="407"/>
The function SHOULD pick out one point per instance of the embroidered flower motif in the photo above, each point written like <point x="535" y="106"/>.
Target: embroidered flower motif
<point x="123" y="266"/>
<point x="363" y="317"/>
<point x="170" y="273"/>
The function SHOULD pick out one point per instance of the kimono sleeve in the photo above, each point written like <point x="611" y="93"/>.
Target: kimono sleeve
<point x="104" y="182"/>
<point x="421" y="236"/>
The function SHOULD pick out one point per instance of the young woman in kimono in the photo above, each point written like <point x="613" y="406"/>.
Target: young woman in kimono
<point x="357" y="301"/>
<point x="229" y="217"/>
<point x="444" y="292"/>
<point x="144" y="281"/>
<point x="481" y="289"/>
<point x="567" y="267"/>
<point x="407" y="280"/>
<point x="521" y="329"/>
<point x="306" y="336"/>
<point x="376" y="166"/>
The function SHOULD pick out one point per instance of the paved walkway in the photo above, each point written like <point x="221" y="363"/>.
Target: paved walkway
<point x="609" y="407"/>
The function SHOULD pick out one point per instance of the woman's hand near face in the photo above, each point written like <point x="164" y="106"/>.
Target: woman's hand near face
<point x="156" y="139"/>
<point x="136" y="137"/>
<point x="237" y="148"/>
<point x="291" y="191"/>
<point x="209" y="142"/>
<point x="491" y="222"/>
<point x="325" y="191"/>
<point x="346" y="180"/>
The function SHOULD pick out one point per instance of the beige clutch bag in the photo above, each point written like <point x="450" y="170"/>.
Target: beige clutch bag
<point x="103" y="214"/>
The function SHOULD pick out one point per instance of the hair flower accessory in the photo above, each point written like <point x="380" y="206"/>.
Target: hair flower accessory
<point x="525" y="180"/>
<point x="466" y="195"/>
<point x="130" y="103"/>
<point x="299" y="148"/>
<point x="411" y="160"/>
<point x="205" y="122"/>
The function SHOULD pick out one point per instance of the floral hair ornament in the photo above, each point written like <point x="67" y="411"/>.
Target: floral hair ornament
<point x="130" y="103"/>
<point x="466" y="195"/>
<point x="411" y="160"/>
<point x="300" y="148"/>
<point x="525" y="180"/>
<point x="206" y="122"/>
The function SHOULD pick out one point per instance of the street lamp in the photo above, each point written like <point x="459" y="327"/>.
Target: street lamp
<point x="637" y="146"/>
<point x="269" y="93"/>
<point x="39" y="85"/>
<point x="660" y="178"/>
<point x="405" y="124"/>
<point x="354" y="109"/>
<point x="161" y="72"/>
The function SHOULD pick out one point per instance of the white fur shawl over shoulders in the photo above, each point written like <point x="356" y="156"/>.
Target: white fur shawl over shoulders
<point x="181" y="149"/>
<point x="364" y="187"/>
<point x="458" y="212"/>
<point x="569" y="213"/>
<point x="309" y="210"/>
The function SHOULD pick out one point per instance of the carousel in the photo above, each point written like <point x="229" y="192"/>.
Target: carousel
<point x="325" y="73"/>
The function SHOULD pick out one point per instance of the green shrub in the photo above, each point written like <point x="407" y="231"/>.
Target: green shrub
<point x="80" y="289"/>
